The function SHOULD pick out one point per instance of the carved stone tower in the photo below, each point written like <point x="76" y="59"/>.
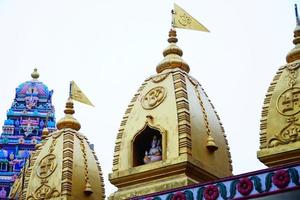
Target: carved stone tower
<point x="280" y="125"/>
<point x="170" y="135"/>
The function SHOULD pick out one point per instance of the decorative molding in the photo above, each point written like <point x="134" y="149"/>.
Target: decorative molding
<point x="183" y="112"/>
<point x="245" y="186"/>
<point x="67" y="163"/>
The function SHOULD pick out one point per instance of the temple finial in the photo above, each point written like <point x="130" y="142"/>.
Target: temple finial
<point x="35" y="74"/>
<point x="68" y="121"/>
<point x="294" y="54"/>
<point x="172" y="55"/>
<point x="297" y="16"/>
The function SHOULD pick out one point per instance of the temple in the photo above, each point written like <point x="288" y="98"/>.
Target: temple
<point x="171" y="144"/>
<point x="31" y="111"/>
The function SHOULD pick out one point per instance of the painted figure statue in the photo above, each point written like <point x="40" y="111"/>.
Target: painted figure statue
<point x="154" y="153"/>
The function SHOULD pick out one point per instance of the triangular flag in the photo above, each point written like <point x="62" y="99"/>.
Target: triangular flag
<point x="77" y="95"/>
<point x="181" y="19"/>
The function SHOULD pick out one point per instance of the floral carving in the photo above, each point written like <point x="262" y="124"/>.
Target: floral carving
<point x="245" y="186"/>
<point x="44" y="192"/>
<point x="281" y="179"/>
<point x="211" y="192"/>
<point x="179" y="196"/>
<point x="160" y="77"/>
<point x="289" y="134"/>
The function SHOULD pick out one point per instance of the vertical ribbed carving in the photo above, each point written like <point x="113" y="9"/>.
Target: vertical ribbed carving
<point x="183" y="113"/>
<point x="265" y="109"/>
<point x="68" y="146"/>
<point x="121" y="129"/>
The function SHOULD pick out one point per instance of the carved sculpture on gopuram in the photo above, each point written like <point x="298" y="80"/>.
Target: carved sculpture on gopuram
<point x="30" y="113"/>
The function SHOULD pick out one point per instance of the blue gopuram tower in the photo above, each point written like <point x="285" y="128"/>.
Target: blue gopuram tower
<point x="31" y="111"/>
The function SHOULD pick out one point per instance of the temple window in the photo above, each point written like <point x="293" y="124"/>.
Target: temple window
<point x="147" y="147"/>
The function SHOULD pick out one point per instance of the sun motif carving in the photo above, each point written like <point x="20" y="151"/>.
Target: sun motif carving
<point x="154" y="98"/>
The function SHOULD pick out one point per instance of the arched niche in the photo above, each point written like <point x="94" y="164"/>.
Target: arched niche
<point x="142" y="142"/>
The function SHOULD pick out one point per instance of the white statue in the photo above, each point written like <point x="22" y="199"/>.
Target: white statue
<point x="154" y="153"/>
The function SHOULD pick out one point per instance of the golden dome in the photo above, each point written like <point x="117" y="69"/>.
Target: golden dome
<point x="280" y="125"/>
<point x="63" y="167"/>
<point x="170" y="107"/>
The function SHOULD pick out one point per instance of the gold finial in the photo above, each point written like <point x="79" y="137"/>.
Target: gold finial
<point x="294" y="54"/>
<point x="211" y="145"/>
<point x="35" y="74"/>
<point x="45" y="133"/>
<point x="172" y="55"/>
<point x="68" y="121"/>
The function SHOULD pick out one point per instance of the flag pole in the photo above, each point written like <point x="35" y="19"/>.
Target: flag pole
<point x="172" y="18"/>
<point x="70" y="90"/>
<point x="297" y="16"/>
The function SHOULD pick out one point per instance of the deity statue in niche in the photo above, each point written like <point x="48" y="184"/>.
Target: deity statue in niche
<point x="154" y="153"/>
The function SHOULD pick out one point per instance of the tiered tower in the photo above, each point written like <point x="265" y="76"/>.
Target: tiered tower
<point x="31" y="111"/>
<point x="171" y="135"/>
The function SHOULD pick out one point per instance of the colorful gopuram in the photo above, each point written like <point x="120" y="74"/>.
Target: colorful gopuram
<point x="30" y="113"/>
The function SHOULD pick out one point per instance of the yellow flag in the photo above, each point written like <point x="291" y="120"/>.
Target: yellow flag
<point x="77" y="95"/>
<point x="181" y="19"/>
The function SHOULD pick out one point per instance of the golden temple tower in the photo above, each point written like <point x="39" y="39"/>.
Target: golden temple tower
<point x="280" y="125"/>
<point x="170" y="135"/>
<point x="63" y="167"/>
